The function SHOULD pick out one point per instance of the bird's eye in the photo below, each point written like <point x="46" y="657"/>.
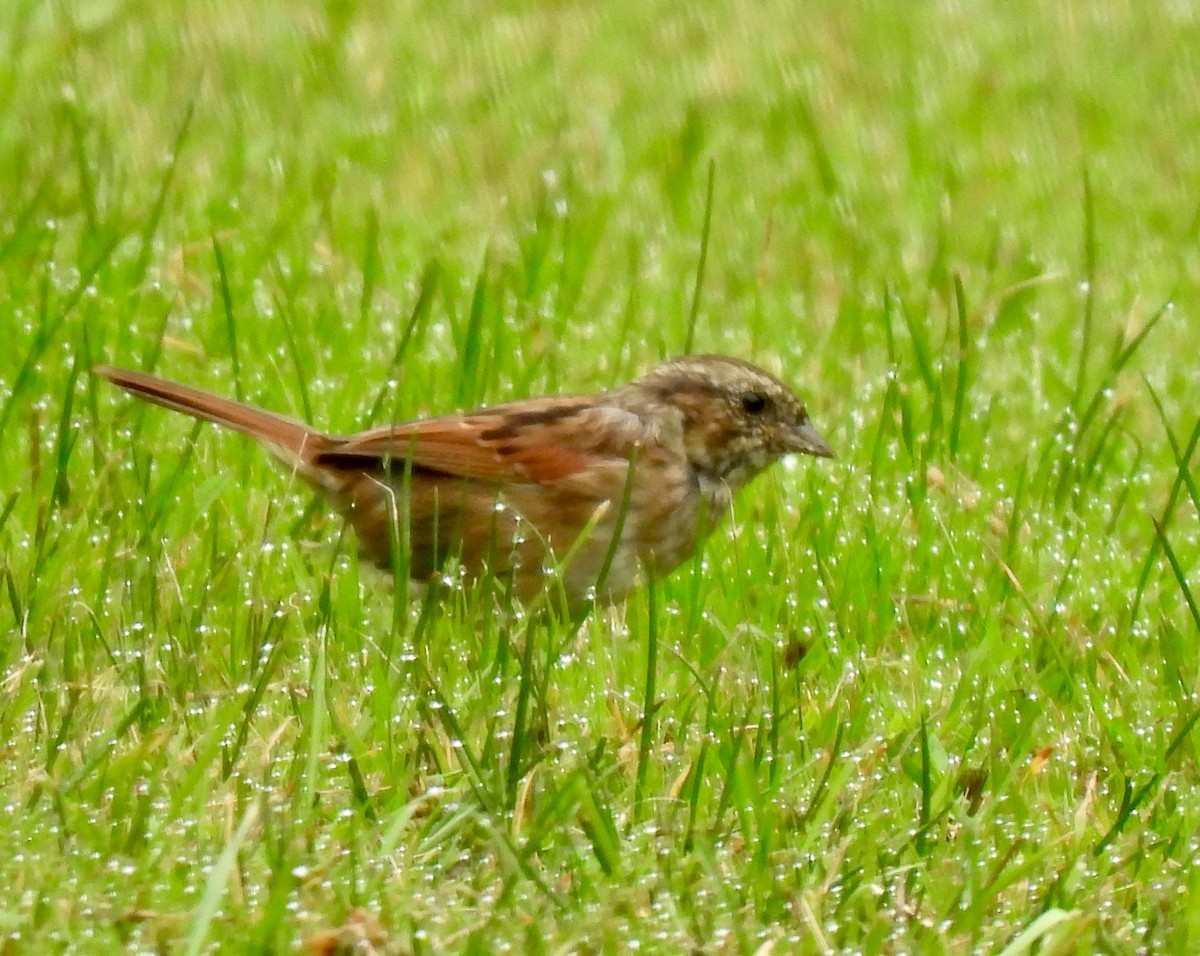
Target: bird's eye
<point x="754" y="403"/>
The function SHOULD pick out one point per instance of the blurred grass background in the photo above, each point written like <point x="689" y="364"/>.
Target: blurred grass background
<point x="938" y="696"/>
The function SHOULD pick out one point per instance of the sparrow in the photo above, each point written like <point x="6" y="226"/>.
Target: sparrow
<point x="579" y="494"/>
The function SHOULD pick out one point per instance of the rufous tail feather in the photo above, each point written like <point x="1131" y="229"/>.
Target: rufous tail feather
<point x="291" y="441"/>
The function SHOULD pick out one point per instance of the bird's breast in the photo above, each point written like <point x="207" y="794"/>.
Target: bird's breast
<point x="676" y="513"/>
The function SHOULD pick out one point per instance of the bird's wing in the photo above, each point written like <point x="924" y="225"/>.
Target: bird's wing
<point x="538" y="441"/>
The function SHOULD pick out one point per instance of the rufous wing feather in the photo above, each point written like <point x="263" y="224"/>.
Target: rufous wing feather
<point x="456" y="449"/>
<point x="479" y="446"/>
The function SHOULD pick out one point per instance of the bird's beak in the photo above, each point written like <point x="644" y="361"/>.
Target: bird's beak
<point x="805" y="440"/>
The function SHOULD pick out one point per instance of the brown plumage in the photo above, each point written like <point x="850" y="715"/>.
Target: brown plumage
<point x="521" y="487"/>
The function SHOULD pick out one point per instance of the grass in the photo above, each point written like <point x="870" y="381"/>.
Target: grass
<point x="938" y="696"/>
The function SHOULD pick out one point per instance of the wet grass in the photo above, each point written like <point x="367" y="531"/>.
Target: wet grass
<point x="940" y="695"/>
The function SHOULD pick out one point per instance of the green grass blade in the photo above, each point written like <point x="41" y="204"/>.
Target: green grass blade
<point x="1177" y="570"/>
<point x="649" y="697"/>
<point x="689" y="338"/>
<point x="216" y="884"/>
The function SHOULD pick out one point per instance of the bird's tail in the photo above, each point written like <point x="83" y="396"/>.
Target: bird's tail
<point x="293" y="442"/>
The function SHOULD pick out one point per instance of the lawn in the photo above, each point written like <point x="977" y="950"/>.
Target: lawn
<point x="937" y="696"/>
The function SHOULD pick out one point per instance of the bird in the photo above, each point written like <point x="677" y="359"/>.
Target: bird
<point x="581" y="495"/>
